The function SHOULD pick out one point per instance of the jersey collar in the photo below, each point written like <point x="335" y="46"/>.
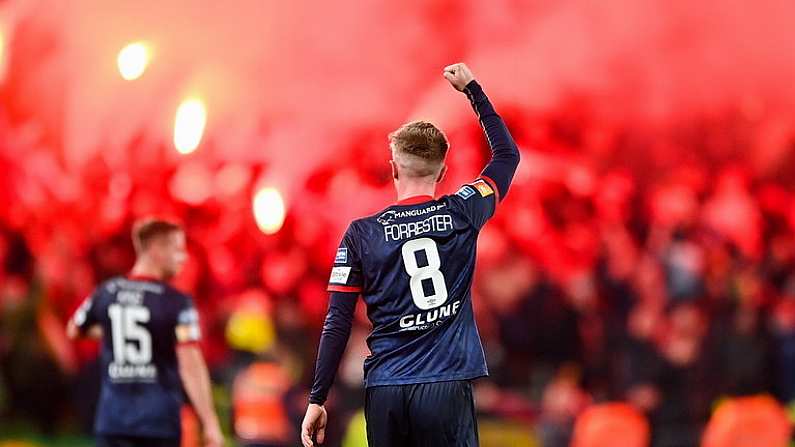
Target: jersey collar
<point x="133" y="277"/>
<point x="414" y="200"/>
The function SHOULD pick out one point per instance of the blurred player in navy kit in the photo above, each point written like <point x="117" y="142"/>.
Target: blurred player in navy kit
<point x="149" y="333"/>
<point x="413" y="265"/>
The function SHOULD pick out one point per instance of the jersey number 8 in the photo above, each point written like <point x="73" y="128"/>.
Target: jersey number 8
<point x="429" y="272"/>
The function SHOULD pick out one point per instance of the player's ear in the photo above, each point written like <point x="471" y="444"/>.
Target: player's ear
<point x="442" y="172"/>
<point x="394" y="169"/>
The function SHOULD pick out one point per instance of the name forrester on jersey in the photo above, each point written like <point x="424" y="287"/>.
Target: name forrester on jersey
<point x="421" y="260"/>
<point x="399" y="231"/>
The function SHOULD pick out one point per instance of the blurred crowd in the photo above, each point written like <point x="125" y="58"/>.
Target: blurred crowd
<point x="650" y="266"/>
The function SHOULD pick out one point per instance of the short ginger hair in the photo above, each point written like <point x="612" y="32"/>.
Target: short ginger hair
<point x="148" y="229"/>
<point x="418" y="148"/>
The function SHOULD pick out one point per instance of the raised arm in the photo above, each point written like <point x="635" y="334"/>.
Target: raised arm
<point x="504" y="152"/>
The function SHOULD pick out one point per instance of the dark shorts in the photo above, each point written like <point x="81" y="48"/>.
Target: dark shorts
<point x="134" y="441"/>
<point x="425" y="414"/>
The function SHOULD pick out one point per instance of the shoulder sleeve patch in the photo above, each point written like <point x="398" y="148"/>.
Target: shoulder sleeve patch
<point x="187" y="329"/>
<point x="81" y="315"/>
<point x="483" y="188"/>
<point x="188" y="316"/>
<point x="465" y="192"/>
<point x="339" y="275"/>
<point x="342" y="256"/>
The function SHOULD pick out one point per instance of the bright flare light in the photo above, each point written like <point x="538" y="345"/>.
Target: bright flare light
<point x="3" y="50"/>
<point x="189" y="125"/>
<point x="132" y="60"/>
<point x="269" y="210"/>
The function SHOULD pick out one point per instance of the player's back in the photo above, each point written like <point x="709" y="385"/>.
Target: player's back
<point x="142" y="320"/>
<point x="413" y="264"/>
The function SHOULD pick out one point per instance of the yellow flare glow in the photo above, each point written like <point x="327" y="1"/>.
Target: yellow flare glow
<point x="189" y="125"/>
<point x="269" y="210"/>
<point x="132" y="60"/>
<point x="2" y="46"/>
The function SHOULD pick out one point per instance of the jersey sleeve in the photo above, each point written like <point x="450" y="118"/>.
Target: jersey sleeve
<point x="504" y="152"/>
<point x="85" y="315"/>
<point x="346" y="275"/>
<point x="477" y="200"/>
<point x="187" y="328"/>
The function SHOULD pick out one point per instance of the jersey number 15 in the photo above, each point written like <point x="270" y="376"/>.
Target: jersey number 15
<point x="132" y="343"/>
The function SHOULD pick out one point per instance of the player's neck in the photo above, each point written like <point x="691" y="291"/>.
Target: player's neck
<point x="406" y="190"/>
<point x="145" y="269"/>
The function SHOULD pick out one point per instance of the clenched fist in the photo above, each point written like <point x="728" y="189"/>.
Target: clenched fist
<point x="459" y="75"/>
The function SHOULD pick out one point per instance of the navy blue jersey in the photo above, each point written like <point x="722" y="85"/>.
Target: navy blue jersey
<point x="413" y="264"/>
<point x="142" y="321"/>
